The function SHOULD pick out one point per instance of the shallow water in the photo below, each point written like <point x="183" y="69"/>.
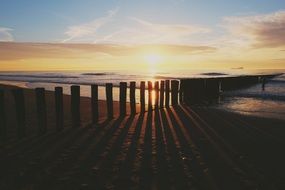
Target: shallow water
<point x="268" y="102"/>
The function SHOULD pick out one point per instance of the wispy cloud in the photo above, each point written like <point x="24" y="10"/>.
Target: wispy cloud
<point x="145" y="32"/>
<point x="264" y="30"/>
<point x="19" y="51"/>
<point x="5" y="34"/>
<point x="89" y="29"/>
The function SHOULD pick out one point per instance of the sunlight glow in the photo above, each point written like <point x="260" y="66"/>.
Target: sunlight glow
<point x="153" y="58"/>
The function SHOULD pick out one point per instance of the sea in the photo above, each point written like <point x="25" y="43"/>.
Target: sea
<point x="255" y="101"/>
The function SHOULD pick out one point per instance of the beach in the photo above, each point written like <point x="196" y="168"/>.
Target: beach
<point x="269" y="102"/>
<point x="142" y="95"/>
<point x="181" y="147"/>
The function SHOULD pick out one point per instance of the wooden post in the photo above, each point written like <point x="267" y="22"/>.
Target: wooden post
<point x="94" y="103"/>
<point x="133" y="97"/>
<point x="149" y="86"/>
<point x="181" y="94"/>
<point x="59" y="107"/>
<point x="161" y="100"/>
<point x="167" y="90"/>
<point x="174" y="92"/>
<point x="20" y="112"/>
<point x="75" y="105"/>
<point x="109" y="99"/>
<point x="123" y="98"/>
<point x="142" y="96"/>
<point x="41" y="110"/>
<point x="156" y="89"/>
<point x="3" y="127"/>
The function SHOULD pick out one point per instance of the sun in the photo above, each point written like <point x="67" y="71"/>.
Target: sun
<point x="153" y="58"/>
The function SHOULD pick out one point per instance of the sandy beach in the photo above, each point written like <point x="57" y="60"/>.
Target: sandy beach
<point x="179" y="147"/>
<point x="31" y="113"/>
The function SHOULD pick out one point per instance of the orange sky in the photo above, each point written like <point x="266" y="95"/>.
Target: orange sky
<point x="58" y="56"/>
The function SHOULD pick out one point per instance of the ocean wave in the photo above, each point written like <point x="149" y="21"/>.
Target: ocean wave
<point x="162" y="77"/>
<point x="213" y="74"/>
<point x="98" y="74"/>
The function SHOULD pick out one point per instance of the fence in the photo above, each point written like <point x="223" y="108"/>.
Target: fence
<point x="158" y="97"/>
<point x="160" y="94"/>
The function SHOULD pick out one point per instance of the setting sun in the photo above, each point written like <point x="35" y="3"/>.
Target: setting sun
<point x="153" y="58"/>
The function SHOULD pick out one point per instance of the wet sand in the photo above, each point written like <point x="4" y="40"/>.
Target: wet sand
<point x="179" y="147"/>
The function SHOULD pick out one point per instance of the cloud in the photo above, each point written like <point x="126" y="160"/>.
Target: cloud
<point x="78" y="32"/>
<point x="19" y="51"/>
<point x="264" y="30"/>
<point x="144" y="32"/>
<point x="5" y="34"/>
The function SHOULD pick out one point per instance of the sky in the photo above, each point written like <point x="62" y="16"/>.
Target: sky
<point x="133" y="34"/>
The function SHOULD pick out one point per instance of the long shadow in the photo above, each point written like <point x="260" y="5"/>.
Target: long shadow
<point x="70" y="154"/>
<point x="177" y="170"/>
<point x="163" y="169"/>
<point x="224" y="170"/>
<point x="271" y="163"/>
<point x="125" y="180"/>
<point x="39" y="157"/>
<point x="82" y="171"/>
<point x="23" y="145"/>
<point x="106" y="166"/>
<point x="30" y="163"/>
<point x="201" y="178"/>
<point x="146" y="170"/>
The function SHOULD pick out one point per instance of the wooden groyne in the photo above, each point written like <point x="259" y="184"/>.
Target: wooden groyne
<point x="156" y="93"/>
<point x="198" y="89"/>
<point x="160" y="94"/>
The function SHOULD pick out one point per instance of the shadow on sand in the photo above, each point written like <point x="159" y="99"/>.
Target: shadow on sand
<point x="172" y="148"/>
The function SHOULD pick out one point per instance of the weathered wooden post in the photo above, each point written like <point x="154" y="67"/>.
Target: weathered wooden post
<point x="193" y="90"/>
<point x="174" y="92"/>
<point x="41" y="110"/>
<point x="149" y="86"/>
<point x="181" y="94"/>
<point x="123" y="98"/>
<point x="75" y="105"/>
<point x="133" y="97"/>
<point x="156" y="89"/>
<point x="58" y="94"/>
<point x="161" y="96"/>
<point x="94" y="103"/>
<point x="212" y="88"/>
<point x="167" y="90"/>
<point x="3" y="129"/>
<point x="142" y="96"/>
<point x="109" y="99"/>
<point x="20" y="111"/>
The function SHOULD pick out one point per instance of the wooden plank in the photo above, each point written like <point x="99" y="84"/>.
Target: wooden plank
<point x="181" y="94"/>
<point x="20" y="111"/>
<point x="142" y="96"/>
<point x="156" y="90"/>
<point x="133" y="97"/>
<point x="94" y="103"/>
<point x="41" y="110"/>
<point x="58" y="94"/>
<point x="174" y="92"/>
<point x="3" y="127"/>
<point x="75" y="105"/>
<point x="123" y="98"/>
<point x="161" y="94"/>
<point x="149" y="86"/>
<point x="167" y="93"/>
<point x="109" y="99"/>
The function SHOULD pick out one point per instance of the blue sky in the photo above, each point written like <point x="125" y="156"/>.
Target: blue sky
<point x="48" y="21"/>
<point x="108" y="34"/>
